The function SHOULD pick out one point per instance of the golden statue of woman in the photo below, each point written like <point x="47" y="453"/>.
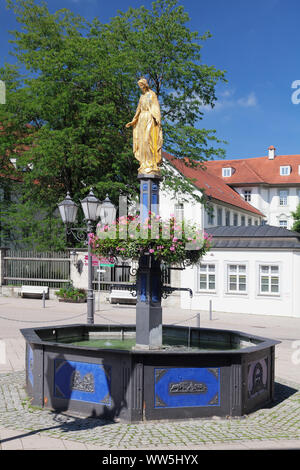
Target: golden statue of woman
<point x="147" y="131"/>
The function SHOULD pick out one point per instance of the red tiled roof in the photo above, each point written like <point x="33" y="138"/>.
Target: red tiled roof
<point x="213" y="186"/>
<point x="258" y="170"/>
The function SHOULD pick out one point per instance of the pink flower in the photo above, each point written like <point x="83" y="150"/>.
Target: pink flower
<point x="151" y="250"/>
<point x="172" y="248"/>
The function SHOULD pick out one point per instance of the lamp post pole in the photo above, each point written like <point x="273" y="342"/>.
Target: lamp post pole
<point x="90" y="293"/>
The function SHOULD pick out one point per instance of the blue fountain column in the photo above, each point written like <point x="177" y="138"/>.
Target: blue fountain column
<point x="149" y="288"/>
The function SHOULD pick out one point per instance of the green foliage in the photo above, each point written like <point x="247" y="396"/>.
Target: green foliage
<point x="296" y="217"/>
<point x="73" y="90"/>
<point x="71" y="293"/>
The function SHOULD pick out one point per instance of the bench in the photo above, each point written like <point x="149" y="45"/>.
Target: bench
<point x="33" y="291"/>
<point x="117" y="296"/>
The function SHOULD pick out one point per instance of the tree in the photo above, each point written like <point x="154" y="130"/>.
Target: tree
<point x="296" y="217"/>
<point x="66" y="113"/>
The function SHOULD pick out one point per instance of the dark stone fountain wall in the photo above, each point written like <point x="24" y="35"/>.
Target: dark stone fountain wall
<point x="138" y="385"/>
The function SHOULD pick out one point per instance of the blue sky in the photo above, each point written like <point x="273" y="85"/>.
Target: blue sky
<point x="255" y="41"/>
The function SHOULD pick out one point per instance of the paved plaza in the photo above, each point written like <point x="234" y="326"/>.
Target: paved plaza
<point x="25" y="427"/>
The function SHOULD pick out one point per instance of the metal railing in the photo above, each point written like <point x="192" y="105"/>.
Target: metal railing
<point x="53" y="269"/>
<point x="35" y="268"/>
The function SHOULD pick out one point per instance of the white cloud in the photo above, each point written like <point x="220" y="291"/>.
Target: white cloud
<point x="249" y="101"/>
<point x="227" y="93"/>
<point x="227" y="100"/>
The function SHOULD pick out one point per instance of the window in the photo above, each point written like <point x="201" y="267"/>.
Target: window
<point x="285" y="170"/>
<point x="236" y="278"/>
<point x="269" y="279"/>
<point x="247" y="195"/>
<point x="235" y="219"/>
<point x="249" y="221"/>
<point x="207" y="276"/>
<point x="227" y="218"/>
<point x="210" y="215"/>
<point x="283" y="196"/>
<point x="220" y="216"/>
<point x="243" y="220"/>
<point x="283" y="223"/>
<point x="179" y="212"/>
<point x="226" y="172"/>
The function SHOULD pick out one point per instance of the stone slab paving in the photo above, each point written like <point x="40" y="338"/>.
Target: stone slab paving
<point x="22" y="427"/>
<point x="38" y="428"/>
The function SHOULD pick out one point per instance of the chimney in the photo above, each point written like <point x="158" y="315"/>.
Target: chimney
<point x="271" y="152"/>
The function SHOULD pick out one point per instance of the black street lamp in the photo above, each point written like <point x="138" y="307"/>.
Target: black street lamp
<point x="92" y="209"/>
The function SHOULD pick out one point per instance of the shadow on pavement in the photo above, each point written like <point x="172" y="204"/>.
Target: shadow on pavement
<point x="66" y="424"/>
<point x="281" y="393"/>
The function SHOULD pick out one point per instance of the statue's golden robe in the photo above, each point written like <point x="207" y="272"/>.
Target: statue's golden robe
<point x="147" y="134"/>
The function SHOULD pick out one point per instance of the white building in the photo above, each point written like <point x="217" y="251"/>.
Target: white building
<point x="226" y="206"/>
<point x="251" y="268"/>
<point x="270" y="183"/>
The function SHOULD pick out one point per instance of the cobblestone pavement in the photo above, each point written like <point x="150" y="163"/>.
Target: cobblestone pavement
<point x="278" y="423"/>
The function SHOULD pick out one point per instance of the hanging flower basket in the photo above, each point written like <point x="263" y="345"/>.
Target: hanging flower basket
<point x="171" y="242"/>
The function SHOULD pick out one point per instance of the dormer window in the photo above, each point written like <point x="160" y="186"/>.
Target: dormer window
<point x="247" y="195"/>
<point x="285" y="170"/>
<point x="226" y="172"/>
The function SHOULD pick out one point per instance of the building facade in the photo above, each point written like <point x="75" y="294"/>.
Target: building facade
<point x="224" y="206"/>
<point x="253" y="266"/>
<point x="271" y="183"/>
<point x="251" y="270"/>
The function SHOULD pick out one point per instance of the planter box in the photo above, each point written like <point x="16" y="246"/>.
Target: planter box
<point x="79" y="301"/>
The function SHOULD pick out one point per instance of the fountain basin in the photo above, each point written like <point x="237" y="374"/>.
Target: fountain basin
<point x="94" y="370"/>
